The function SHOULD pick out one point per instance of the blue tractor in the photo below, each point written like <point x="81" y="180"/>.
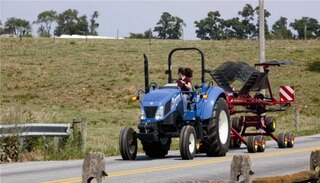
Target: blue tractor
<point x="204" y="126"/>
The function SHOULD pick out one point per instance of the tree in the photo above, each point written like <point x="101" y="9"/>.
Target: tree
<point x="165" y="24"/>
<point x="45" y="20"/>
<point x="1" y="28"/>
<point x="266" y="28"/>
<point x="136" y="35"/>
<point x="146" y="35"/>
<point x="280" y="30"/>
<point x="241" y="27"/>
<point x="69" y="23"/>
<point x="66" y="22"/>
<point x="169" y="27"/>
<point x="177" y="28"/>
<point x="82" y="26"/>
<point x="247" y="14"/>
<point x="235" y="28"/>
<point x="210" y="27"/>
<point x="312" y="27"/>
<point x="93" y="24"/>
<point x="201" y="30"/>
<point x="17" y="26"/>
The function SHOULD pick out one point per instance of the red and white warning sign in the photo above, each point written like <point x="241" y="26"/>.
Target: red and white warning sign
<point x="286" y="93"/>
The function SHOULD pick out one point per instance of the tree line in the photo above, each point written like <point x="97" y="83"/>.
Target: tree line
<point x="212" y="27"/>
<point x="68" y="22"/>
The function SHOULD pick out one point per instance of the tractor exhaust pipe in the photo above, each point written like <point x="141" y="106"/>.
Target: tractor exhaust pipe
<point x="146" y="74"/>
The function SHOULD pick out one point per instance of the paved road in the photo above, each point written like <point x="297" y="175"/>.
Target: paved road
<point x="273" y="161"/>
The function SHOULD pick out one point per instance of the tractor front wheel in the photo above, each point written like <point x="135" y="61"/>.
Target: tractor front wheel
<point x="128" y="144"/>
<point x="187" y="142"/>
<point x="218" y="130"/>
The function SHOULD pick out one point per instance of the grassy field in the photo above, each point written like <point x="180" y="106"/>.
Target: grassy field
<point x="47" y="81"/>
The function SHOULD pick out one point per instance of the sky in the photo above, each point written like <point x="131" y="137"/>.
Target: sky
<point x="139" y="16"/>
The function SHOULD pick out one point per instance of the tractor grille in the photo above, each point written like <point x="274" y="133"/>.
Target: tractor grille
<point x="150" y="111"/>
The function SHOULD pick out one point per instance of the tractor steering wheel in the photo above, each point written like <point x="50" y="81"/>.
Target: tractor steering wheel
<point x="174" y="80"/>
<point x="153" y="85"/>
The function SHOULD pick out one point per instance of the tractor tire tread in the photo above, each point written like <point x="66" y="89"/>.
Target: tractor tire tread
<point x="214" y="147"/>
<point x="184" y="142"/>
<point x="123" y="144"/>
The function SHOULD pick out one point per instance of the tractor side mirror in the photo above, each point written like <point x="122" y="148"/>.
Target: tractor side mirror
<point x="166" y="72"/>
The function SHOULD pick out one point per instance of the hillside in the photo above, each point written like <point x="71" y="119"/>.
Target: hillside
<point x="56" y="81"/>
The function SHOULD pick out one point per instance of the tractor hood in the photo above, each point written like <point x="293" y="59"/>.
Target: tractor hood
<point x="158" y="104"/>
<point x="160" y="96"/>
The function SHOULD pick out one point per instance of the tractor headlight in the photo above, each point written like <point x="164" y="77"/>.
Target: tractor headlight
<point x="159" y="113"/>
<point x="142" y="114"/>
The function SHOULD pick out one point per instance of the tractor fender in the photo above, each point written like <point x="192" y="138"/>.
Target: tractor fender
<point x="206" y="105"/>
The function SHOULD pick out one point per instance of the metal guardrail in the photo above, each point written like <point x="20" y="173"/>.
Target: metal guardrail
<point x="34" y="129"/>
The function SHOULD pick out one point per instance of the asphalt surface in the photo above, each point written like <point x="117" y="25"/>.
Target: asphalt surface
<point x="273" y="161"/>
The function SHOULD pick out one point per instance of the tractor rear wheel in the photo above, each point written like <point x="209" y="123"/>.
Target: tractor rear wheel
<point x="282" y="140"/>
<point x="128" y="144"/>
<point x="270" y="124"/>
<point x="157" y="149"/>
<point x="187" y="142"/>
<point x="252" y="145"/>
<point x="290" y="139"/>
<point x="262" y="143"/>
<point x="218" y="130"/>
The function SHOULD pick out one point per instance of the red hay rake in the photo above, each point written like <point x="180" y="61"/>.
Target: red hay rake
<point x="251" y="99"/>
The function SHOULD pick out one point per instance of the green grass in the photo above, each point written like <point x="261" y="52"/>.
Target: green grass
<point x="46" y="81"/>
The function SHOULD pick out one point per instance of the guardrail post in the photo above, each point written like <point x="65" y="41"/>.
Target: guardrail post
<point x="80" y="132"/>
<point x="21" y="143"/>
<point x="59" y="142"/>
<point x="76" y="123"/>
<point x="84" y="134"/>
<point x="241" y="165"/>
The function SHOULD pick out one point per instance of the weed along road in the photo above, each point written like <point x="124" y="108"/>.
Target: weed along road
<point x="273" y="161"/>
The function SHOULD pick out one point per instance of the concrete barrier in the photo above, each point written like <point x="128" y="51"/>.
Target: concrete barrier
<point x="93" y="168"/>
<point x="241" y="166"/>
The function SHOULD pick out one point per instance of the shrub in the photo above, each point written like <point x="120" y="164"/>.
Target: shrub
<point x="314" y="66"/>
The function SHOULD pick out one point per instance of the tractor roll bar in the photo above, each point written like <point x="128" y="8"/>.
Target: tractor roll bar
<point x="184" y="49"/>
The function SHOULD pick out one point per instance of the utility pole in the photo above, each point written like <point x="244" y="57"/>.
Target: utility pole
<point x="261" y="32"/>
<point x="261" y="36"/>
<point x="117" y="33"/>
